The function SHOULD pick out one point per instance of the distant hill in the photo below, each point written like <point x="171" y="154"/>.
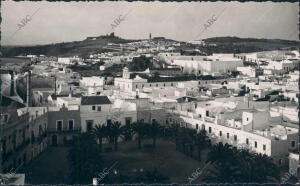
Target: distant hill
<point x="81" y="48"/>
<point x="99" y="44"/>
<point x="239" y="45"/>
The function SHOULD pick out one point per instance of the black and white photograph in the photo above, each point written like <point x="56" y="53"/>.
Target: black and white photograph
<point x="118" y="92"/>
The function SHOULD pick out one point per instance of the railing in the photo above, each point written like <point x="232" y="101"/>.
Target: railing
<point x="65" y="131"/>
<point x="6" y="156"/>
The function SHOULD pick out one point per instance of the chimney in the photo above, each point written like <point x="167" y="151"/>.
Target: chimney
<point x="28" y="89"/>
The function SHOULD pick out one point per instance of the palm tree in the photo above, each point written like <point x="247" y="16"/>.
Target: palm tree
<point x="220" y="153"/>
<point x="258" y="168"/>
<point x="202" y="141"/>
<point x="152" y="131"/>
<point x="84" y="159"/>
<point x="221" y="174"/>
<point x="100" y="132"/>
<point x="115" y="130"/>
<point x="127" y="132"/>
<point x="174" y="132"/>
<point x="239" y="165"/>
<point x="139" y="129"/>
<point x="223" y="160"/>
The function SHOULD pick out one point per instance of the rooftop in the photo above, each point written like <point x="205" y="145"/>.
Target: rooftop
<point x="95" y="100"/>
<point x="173" y="78"/>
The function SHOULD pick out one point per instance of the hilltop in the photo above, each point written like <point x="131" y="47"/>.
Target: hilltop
<point x="80" y="48"/>
<point x="243" y="45"/>
<point x="99" y="44"/>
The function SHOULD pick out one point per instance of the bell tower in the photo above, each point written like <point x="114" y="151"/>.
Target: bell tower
<point x="126" y="74"/>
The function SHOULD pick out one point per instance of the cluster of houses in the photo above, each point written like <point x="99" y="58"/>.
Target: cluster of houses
<point x="256" y="110"/>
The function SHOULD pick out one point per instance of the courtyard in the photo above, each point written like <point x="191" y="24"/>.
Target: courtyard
<point x="52" y="166"/>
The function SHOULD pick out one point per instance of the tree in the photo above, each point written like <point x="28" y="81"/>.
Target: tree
<point x="115" y="130"/>
<point x="140" y="64"/>
<point x="84" y="158"/>
<point x="152" y="131"/>
<point x="100" y="132"/>
<point x="259" y="169"/>
<point x="202" y="141"/>
<point x="239" y="165"/>
<point x="139" y="129"/>
<point x="174" y="131"/>
<point x="127" y="132"/>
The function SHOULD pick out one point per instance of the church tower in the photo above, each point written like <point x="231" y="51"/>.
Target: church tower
<point x="126" y="74"/>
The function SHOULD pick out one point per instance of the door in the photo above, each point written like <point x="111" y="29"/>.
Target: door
<point x="54" y="140"/>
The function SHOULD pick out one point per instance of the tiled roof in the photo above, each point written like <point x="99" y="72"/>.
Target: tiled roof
<point x="95" y="100"/>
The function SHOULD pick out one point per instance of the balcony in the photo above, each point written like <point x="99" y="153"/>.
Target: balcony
<point x="17" y="150"/>
<point x="78" y="130"/>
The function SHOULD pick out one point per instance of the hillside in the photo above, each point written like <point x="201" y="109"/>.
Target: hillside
<point x="241" y="45"/>
<point x="81" y="48"/>
<point x="99" y="44"/>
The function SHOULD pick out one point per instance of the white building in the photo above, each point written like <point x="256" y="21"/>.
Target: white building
<point x="244" y="128"/>
<point x="249" y="71"/>
<point x="99" y="110"/>
<point x="280" y="67"/>
<point x="93" y="85"/>
<point x="72" y="103"/>
<point x="68" y="60"/>
<point x="128" y="84"/>
<point x="215" y="64"/>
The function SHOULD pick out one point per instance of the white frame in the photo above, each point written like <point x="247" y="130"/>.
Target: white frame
<point x="62" y="125"/>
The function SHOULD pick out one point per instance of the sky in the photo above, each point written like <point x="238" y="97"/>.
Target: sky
<point x="31" y="23"/>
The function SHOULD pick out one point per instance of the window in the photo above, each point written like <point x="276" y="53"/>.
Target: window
<point x="70" y="124"/>
<point x="255" y="144"/>
<point x="247" y="119"/>
<point x="59" y="125"/>
<point x="164" y="84"/>
<point x="171" y="84"/>
<point x="203" y="127"/>
<point x="227" y="135"/>
<point x="293" y="143"/>
<point x="197" y="126"/>
<point x="156" y="85"/>
<point x="108" y="122"/>
<point x="150" y="85"/>
<point x="142" y="85"/>
<point x="89" y="125"/>
<point x="128" y="121"/>
<point x="264" y="147"/>
<point x="209" y="129"/>
<point x="235" y="138"/>
<point x="207" y="113"/>
<point x="99" y="108"/>
<point x="247" y="141"/>
<point x="40" y="130"/>
<point x="136" y="86"/>
<point x="220" y="133"/>
<point x="280" y="161"/>
<point x="93" y="107"/>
